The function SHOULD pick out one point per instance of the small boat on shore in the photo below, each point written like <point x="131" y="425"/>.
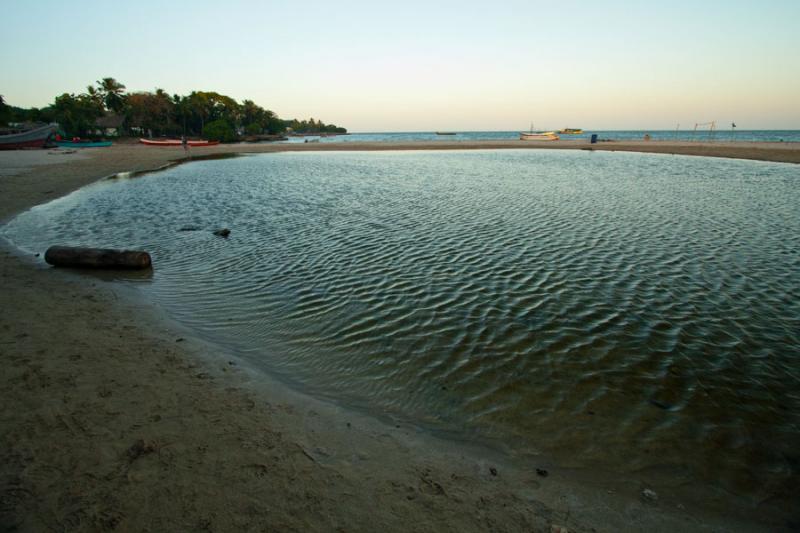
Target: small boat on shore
<point x="571" y="131"/>
<point x="538" y="136"/>
<point x="82" y="144"/>
<point x="32" y="138"/>
<point x="177" y="142"/>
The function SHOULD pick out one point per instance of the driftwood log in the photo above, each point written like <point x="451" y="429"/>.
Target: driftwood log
<point x="68" y="256"/>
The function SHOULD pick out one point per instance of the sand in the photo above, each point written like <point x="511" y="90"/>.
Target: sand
<point x="116" y="418"/>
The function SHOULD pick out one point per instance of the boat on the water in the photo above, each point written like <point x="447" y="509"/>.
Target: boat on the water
<point x="32" y="138"/>
<point x="446" y="133"/>
<point x="176" y="142"/>
<point x="82" y="144"/>
<point x="571" y="131"/>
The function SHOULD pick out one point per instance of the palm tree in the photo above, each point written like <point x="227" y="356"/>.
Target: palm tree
<point x="113" y="94"/>
<point x="94" y="95"/>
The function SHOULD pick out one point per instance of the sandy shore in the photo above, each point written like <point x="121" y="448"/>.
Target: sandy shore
<point x="116" y="418"/>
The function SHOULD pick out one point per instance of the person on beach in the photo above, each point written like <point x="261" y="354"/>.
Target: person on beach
<point x="185" y="145"/>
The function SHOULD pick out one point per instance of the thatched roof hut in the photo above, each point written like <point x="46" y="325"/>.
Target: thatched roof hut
<point x="110" y="124"/>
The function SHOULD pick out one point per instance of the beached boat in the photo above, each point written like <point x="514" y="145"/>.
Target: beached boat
<point x="571" y="131"/>
<point x="33" y="138"/>
<point x="176" y="142"/>
<point x="538" y="136"/>
<point x="82" y="144"/>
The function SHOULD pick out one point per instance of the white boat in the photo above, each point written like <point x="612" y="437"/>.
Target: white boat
<point x="538" y="135"/>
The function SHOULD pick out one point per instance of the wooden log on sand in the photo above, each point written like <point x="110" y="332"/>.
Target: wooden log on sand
<point x="68" y="256"/>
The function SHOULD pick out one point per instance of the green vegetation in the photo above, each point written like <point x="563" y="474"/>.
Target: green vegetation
<point x="312" y="126"/>
<point x="5" y="111"/>
<point x="204" y="114"/>
<point x="77" y="114"/>
<point x="219" y="130"/>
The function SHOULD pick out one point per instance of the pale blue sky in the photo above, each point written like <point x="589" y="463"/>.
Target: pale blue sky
<point x="415" y="66"/>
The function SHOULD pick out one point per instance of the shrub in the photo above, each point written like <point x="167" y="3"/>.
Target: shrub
<point x="219" y="130"/>
<point x="253" y="129"/>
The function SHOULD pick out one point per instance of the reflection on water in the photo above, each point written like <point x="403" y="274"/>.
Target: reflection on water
<point x="636" y="311"/>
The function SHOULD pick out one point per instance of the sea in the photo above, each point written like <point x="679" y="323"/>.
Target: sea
<point x="729" y="135"/>
<point x="636" y="313"/>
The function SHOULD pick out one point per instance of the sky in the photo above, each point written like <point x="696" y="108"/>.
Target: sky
<point x="427" y="65"/>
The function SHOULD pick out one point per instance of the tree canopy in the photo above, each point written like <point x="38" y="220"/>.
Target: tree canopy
<point x="77" y="114"/>
<point x="5" y="111"/>
<point x="158" y="113"/>
<point x="313" y="126"/>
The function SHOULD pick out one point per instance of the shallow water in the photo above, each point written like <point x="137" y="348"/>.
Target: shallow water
<point x="639" y="312"/>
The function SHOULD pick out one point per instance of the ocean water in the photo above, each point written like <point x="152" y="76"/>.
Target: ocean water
<point x="615" y="135"/>
<point x="635" y="312"/>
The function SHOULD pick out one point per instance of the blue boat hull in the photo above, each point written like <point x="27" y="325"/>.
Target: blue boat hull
<point x="70" y="144"/>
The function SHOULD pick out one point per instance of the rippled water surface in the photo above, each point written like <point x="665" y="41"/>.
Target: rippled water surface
<point x="636" y="311"/>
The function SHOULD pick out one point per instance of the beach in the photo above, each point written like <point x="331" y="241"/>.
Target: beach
<point x="115" y="417"/>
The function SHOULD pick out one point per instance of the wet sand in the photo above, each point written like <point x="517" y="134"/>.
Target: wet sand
<point x="114" y="417"/>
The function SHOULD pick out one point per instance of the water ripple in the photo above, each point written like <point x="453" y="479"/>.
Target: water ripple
<point x="624" y="309"/>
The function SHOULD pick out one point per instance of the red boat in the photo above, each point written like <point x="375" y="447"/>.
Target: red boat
<point x="176" y="142"/>
<point x="34" y="138"/>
